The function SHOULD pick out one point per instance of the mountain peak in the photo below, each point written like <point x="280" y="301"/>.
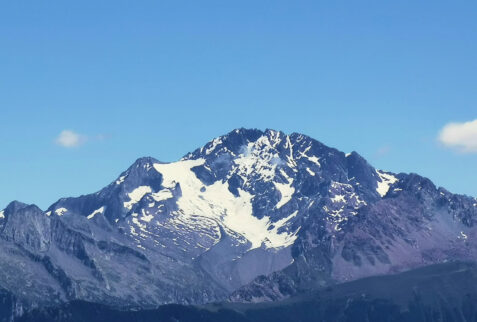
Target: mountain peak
<point x="16" y="205"/>
<point x="250" y="198"/>
<point x="139" y="170"/>
<point x="143" y="162"/>
<point x="240" y="140"/>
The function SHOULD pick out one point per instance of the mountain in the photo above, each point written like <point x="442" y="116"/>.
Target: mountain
<point x="251" y="216"/>
<point x="441" y="292"/>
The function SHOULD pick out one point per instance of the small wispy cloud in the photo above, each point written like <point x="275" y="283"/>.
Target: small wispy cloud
<point x="460" y="136"/>
<point x="382" y="151"/>
<point x="70" y="139"/>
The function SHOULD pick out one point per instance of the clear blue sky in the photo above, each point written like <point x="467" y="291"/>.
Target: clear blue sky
<point x="160" y="78"/>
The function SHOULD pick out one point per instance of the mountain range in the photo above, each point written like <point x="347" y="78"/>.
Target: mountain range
<point x="440" y="292"/>
<point x="252" y="216"/>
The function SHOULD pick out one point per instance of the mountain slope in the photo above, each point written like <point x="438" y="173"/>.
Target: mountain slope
<point x="442" y="292"/>
<point x="252" y="215"/>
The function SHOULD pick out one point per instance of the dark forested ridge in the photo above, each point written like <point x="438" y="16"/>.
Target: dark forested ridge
<point x="444" y="292"/>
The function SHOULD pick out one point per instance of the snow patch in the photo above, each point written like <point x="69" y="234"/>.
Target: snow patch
<point x="275" y="138"/>
<point x="120" y="180"/>
<point x="258" y="158"/>
<point x="133" y="231"/>
<point x="214" y="144"/>
<point x="286" y="192"/>
<point x="162" y="195"/>
<point x="94" y="213"/>
<point x="137" y="223"/>
<point x="338" y="198"/>
<point x="136" y="195"/>
<point x="290" y="159"/>
<point x="310" y="172"/>
<point x="2" y="214"/>
<point x="385" y="182"/>
<point x="279" y="224"/>
<point x="312" y="158"/>
<point x="315" y="160"/>
<point x="146" y="217"/>
<point x="61" y="211"/>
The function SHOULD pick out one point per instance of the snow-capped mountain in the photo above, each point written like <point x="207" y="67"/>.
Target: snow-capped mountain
<point x="251" y="216"/>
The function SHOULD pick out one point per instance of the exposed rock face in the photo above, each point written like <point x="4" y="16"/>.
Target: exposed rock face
<point x="251" y="216"/>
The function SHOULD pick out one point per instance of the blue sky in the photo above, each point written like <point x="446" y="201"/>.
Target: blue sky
<point x="160" y="78"/>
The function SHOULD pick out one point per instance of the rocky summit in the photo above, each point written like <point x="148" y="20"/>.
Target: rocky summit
<point x="251" y="216"/>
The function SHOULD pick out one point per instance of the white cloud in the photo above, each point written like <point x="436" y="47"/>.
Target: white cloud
<point x="460" y="136"/>
<point x="70" y="139"/>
